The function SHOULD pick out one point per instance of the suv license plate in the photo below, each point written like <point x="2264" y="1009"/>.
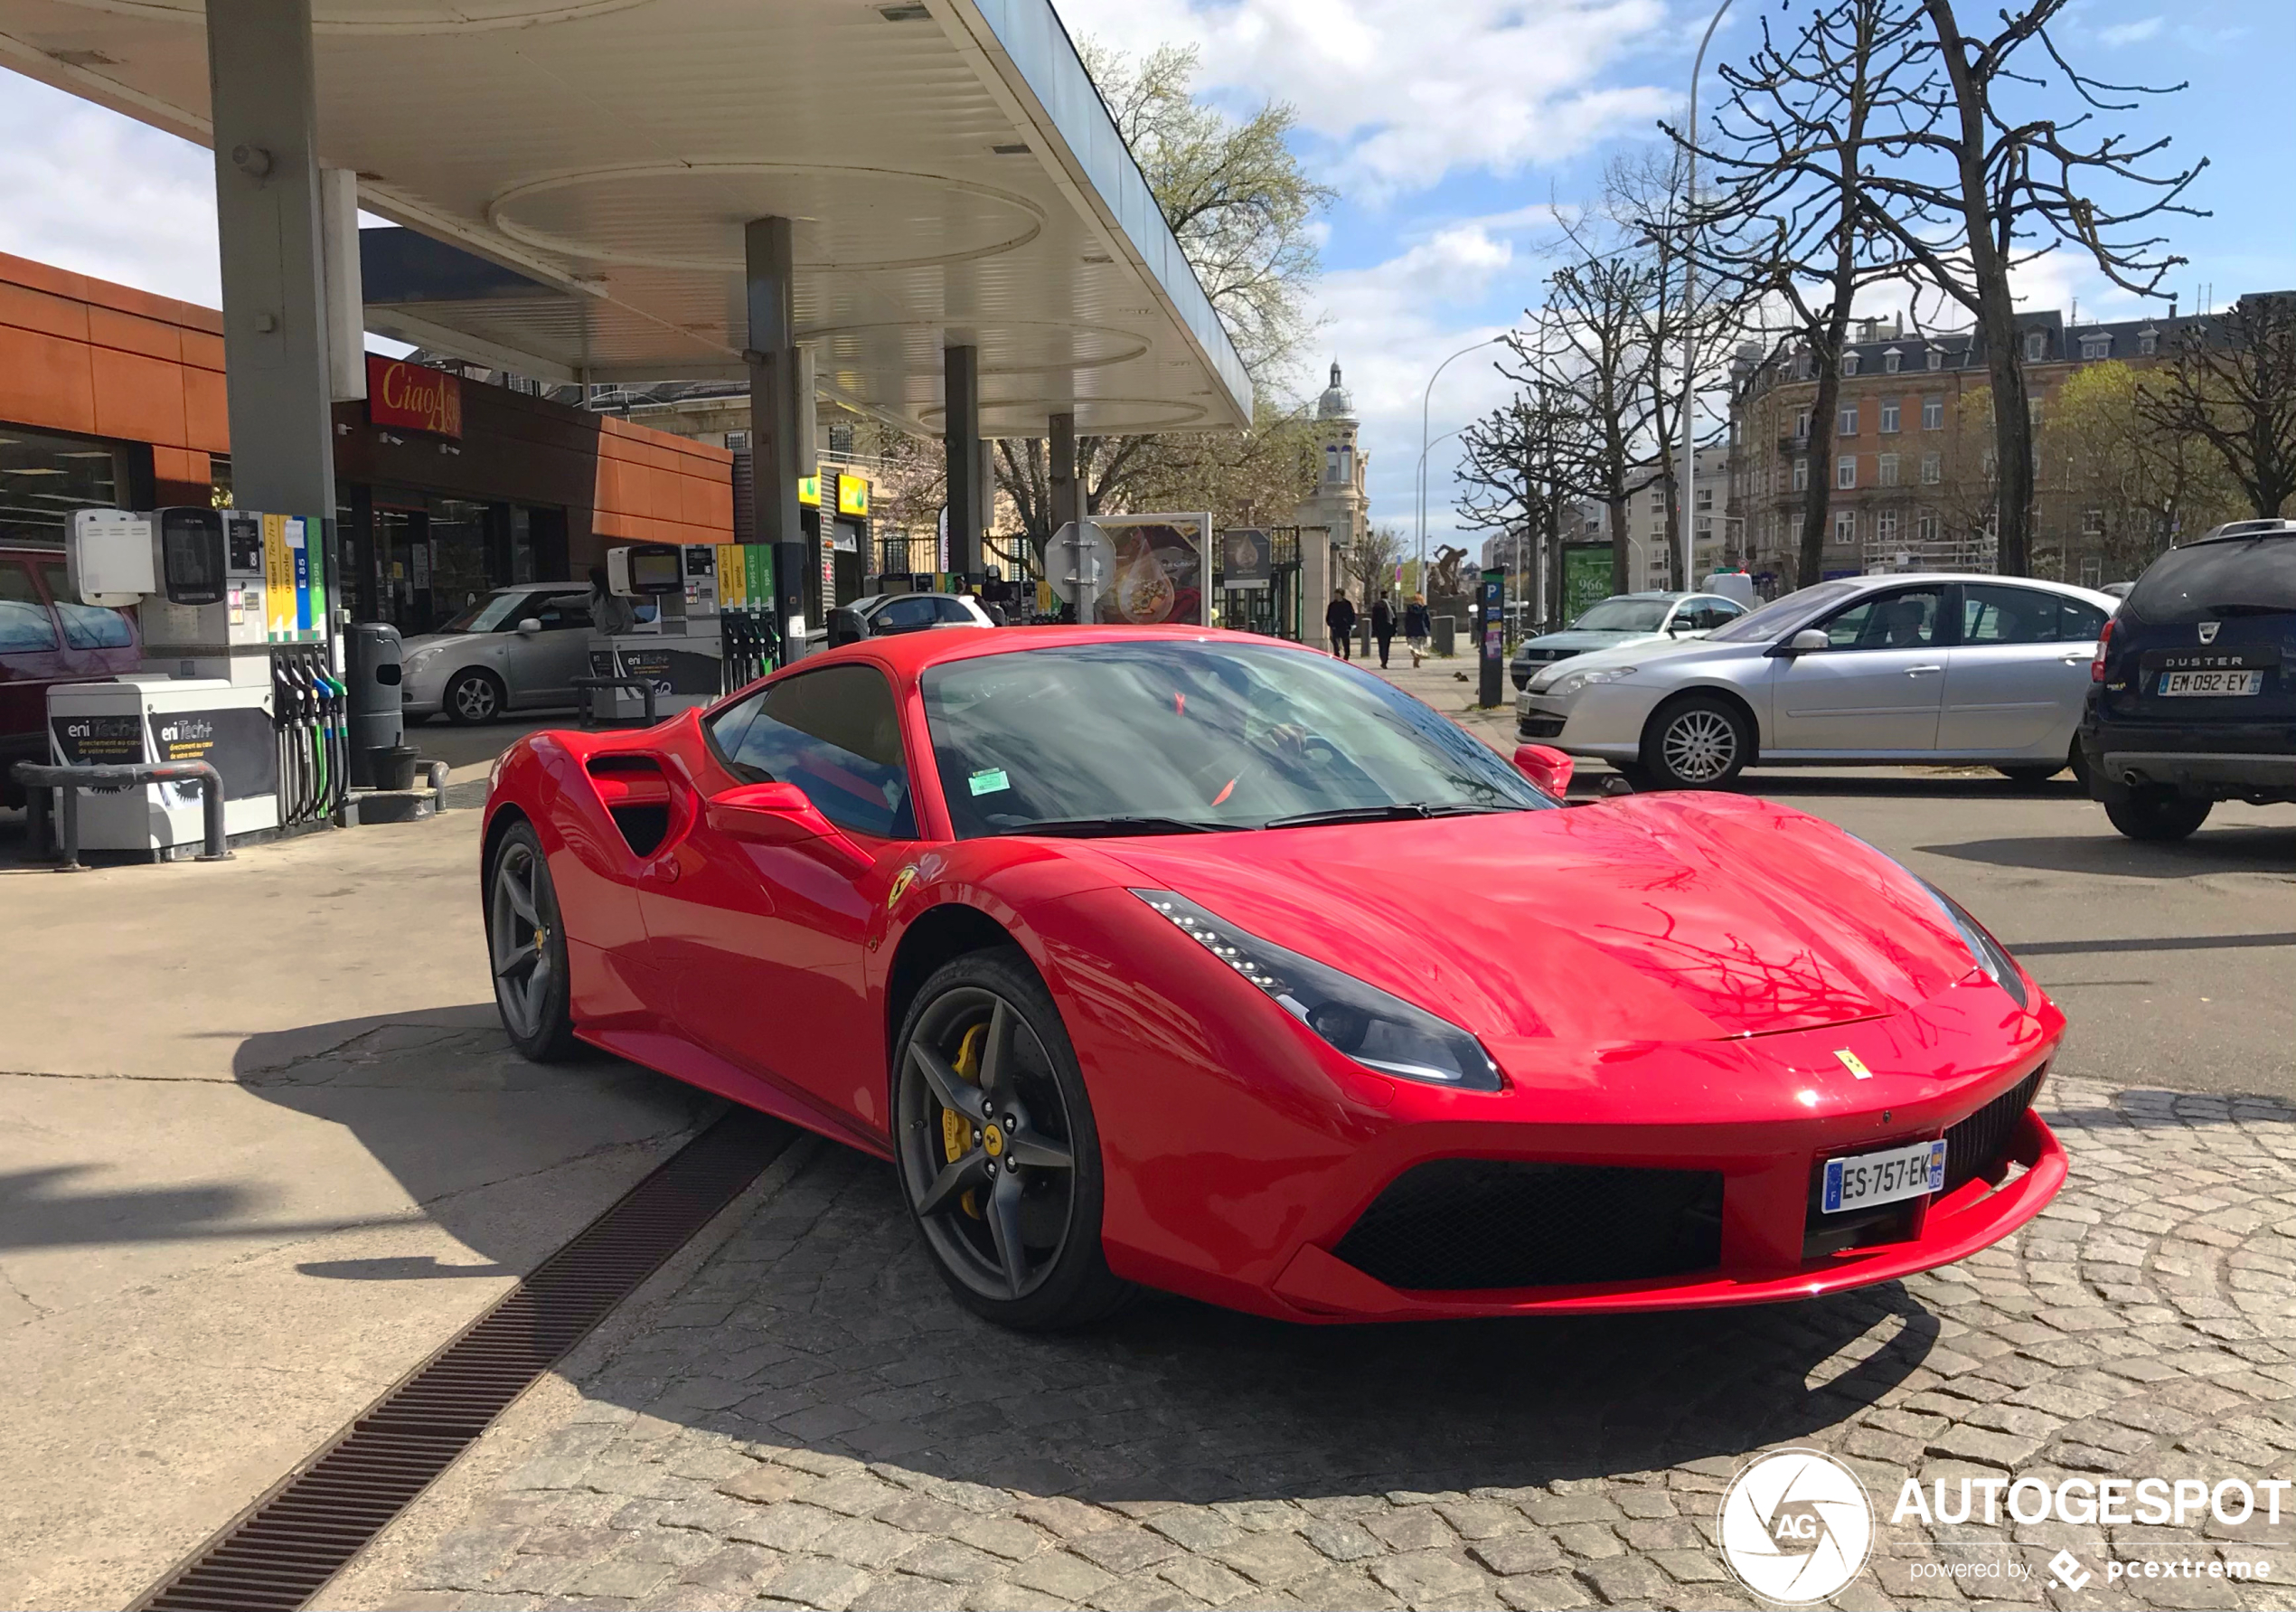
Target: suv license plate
<point x="1871" y="1178"/>
<point x="2212" y="683"/>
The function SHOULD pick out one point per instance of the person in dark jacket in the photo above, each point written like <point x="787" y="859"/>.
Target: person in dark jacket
<point x="1339" y="616"/>
<point x="1383" y="626"/>
<point x="1416" y="626"/>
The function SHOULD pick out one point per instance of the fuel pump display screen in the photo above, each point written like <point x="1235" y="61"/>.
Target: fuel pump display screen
<point x="655" y="572"/>
<point x="190" y="555"/>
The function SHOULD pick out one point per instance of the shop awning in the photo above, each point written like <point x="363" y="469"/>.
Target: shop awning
<point x="955" y="177"/>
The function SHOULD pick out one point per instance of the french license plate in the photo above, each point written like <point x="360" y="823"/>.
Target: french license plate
<point x="1884" y="1177"/>
<point x="2212" y="683"/>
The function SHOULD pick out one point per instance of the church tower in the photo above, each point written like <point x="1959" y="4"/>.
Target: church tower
<point x="1338" y="504"/>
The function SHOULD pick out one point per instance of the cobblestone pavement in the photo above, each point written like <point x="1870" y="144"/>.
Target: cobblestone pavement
<point x="811" y="1421"/>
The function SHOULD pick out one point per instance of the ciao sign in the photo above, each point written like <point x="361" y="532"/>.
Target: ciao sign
<point x="413" y="395"/>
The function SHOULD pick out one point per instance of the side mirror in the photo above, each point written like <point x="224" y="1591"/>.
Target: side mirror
<point x="1809" y="640"/>
<point x="528" y="627"/>
<point x="846" y="626"/>
<point x="1545" y="766"/>
<point x="778" y="814"/>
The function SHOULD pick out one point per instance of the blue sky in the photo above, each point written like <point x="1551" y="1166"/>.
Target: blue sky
<point x="1447" y="126"/>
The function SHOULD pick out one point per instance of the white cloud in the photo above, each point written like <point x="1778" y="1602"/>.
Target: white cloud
<point x="1407" y="91"/>
<point x="2131" y="33"/>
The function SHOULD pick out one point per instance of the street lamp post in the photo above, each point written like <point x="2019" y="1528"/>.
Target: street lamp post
<point x="1688" y="481"/>
<point x="1425" y="398"/>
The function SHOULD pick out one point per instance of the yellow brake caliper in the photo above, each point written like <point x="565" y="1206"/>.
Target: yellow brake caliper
<point x="956" y="1131"/>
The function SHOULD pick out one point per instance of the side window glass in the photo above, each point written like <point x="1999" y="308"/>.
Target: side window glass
<point x="2077" y="623"/>
<point x="1991" y="614"/>
<point x="86" y="627"/>
<point x="951" y="612"/>
<point x="1907" y="620"/>
<point x="835" y="735"/>
<point x="25" y="625"/>
<point x="567" y="611"/>
<point x="903" y="615"/>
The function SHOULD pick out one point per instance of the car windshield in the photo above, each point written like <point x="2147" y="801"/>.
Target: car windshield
<point x="489" y="615"/>
<point x="1758" y="626"/>
<point x="1201" y="734"/>
<point x="2228" y="577"/>
<point x="1623" y="615"/>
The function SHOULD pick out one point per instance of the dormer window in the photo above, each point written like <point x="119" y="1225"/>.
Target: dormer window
<point x="2036" y="345"/>
<point x="1936" y="357"/>
<point x="2148" y="341"/>
<point x="1889" y="361"/>
<point x="2093" y="348"/>
<point x="1850" y="364"/>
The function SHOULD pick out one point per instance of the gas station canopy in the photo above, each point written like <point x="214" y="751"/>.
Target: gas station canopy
<point x="953" y="177"/>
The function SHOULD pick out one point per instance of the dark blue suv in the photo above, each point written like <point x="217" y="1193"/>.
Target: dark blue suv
<point x="2194" y="693"/>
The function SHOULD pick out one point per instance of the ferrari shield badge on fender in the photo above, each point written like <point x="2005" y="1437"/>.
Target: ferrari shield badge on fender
<point x="1854" y="1064"/>
<point x="901" y="881"/>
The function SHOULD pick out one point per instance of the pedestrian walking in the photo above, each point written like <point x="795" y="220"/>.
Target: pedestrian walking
<point x="1383" y="626"/>
<point x="1416" y="628"/>
<point x="1339" y="616"/>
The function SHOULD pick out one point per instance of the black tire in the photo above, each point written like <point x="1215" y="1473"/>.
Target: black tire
<point x="2153" y="813"/>
<point x="475" y="696"/>
<point x="526" y="949"/>
<point x="1701" y="741"/>
<point x="1017" y="1245"/>
<point x="2038" y="773"/>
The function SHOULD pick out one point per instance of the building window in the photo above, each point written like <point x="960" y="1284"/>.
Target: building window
<point x="1936" y="357"/>
<point x="1933" y="470"/>
<point x="1801" y="475"/>
<point x="1886" y="525"/>
<point x="2148" y="341"/>
<point x="1845" y="471"/>
<point x="1850" y="364"/>
<point x="1889" y="361"/>
<point x="2093" y="348"/>
<point x="43" y="478"/>
<point x="2092" y="522"/>
<point x="1658" y="500"/>
<point x="2092" y="571"/>
<point x="1889" y="415"/>
<point x="1886" y="470"/>
<point x="1925" y="526"/>
<point x="1801" y="425"/>
<point x="1706" y="497"/>
<point x="1932" y="414"/>
<point x="2036" y="345"/>
<point x="1850" y="420"/>
<point x="2033" y="412"/>
<point x="1845" y="525"/>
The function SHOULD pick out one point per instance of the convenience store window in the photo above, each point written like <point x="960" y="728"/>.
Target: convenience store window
<point x="45" y="476"/>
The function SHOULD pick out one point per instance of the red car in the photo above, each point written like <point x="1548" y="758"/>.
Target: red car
<point x="1207" y="963"/>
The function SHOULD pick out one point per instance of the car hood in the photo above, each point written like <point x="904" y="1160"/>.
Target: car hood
<point x="1642" y="652"/>
<point x="1644" y="918"/>
<point x="1586" y="643"/>
<point x="409" y="647"/>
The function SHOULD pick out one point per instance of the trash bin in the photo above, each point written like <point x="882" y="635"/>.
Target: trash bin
<point x="393" y="766"/>
<point x="375" y="702"/>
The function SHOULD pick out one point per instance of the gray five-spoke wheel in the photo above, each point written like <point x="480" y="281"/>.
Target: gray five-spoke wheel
<point x="1699" y="745"/>
<point x="985" y="1136"/>
<point x="475" y="698"/>
<point x="522" y="915"/>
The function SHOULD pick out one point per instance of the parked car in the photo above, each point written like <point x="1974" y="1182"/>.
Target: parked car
<point x="1622" y="619"/>
<point x="883" y="615"/>
<point x="1881" y="670"/>
<point x="518" y="649"/>
<point x="2193" y="693"/>
<point x="48" y="636"/>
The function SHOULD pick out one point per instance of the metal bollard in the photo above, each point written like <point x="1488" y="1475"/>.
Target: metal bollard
<point x="69" y="781"/>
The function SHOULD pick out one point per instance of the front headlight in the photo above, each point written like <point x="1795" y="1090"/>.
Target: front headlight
<point x="1986" y="951"/>
<point x="1379" y="1032"/>
<point x="1575" y="681"/>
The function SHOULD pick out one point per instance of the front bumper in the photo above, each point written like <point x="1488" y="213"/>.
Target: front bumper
<point x="1604" y="722"/>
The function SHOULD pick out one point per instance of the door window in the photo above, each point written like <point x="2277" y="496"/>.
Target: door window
<point x="835" y="735"/>
<point x="86" y="627"/>
<point x="2077" y="623"/>
<point x="902" y="616"/>
<point x="562" y="613"/>
<point x="1907" y="620"/>
<point x="1991" y="614"/>
<point x="951" y="612"/>
<point x="25" y="625"/>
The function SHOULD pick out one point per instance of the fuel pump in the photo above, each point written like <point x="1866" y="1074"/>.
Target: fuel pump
<point x="682" y="650"/>
<point x="233" y="610"/>
<point x="745" y="612"/>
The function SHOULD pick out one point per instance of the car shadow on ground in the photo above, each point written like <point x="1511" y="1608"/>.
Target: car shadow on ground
<point x="1791" y="783"/>
<point x="819" y="1324"/>
<point x="2260" y="848"/>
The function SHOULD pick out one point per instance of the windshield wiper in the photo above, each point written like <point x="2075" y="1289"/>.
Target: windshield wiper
<point x="1395" y="812"/>
<point x="1085" y="828"/>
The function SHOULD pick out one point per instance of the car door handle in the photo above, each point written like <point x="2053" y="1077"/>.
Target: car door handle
<point x="1917" y="671"/>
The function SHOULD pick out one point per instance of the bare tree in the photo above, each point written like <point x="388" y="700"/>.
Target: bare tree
<point x="1517" y="466"/>
<point x="1369" y="560"/>
<point x="1995" y="180"/>
<point x="1791" y="219"/>
<point x="1599" y="309"/>
<point x="2232" y="385"/>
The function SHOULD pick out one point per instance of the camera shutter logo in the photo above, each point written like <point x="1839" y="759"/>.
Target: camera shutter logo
<point x="1796" y="1526"/>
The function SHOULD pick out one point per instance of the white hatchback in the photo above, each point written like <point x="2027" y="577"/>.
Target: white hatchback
<point x="1880" y="669"/>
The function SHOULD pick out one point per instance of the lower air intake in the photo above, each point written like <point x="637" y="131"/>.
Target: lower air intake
<point x="1454" y="1224"/>
<point x="1979" y="1146"/>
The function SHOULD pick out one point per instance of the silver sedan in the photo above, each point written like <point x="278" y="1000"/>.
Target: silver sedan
<point x="517" y="647"/>
<point x="1880" y="669"/>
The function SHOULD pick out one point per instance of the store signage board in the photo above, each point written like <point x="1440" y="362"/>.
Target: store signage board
<point x="413" y="396"/>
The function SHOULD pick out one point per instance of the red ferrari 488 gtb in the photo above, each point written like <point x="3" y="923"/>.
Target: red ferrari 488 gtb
<point x="1208" y="962"/>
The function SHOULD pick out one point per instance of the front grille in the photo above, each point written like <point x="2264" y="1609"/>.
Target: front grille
<point x="1538" y="727"/>
<point x="1978" y="1145"/>
<point x="1458" y="1224"/>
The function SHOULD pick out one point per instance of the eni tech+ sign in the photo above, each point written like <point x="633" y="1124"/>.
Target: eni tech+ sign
<point x="414" y="396"/>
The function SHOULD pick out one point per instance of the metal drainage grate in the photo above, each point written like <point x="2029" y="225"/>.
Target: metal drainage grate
<point x="279" y="1552"/>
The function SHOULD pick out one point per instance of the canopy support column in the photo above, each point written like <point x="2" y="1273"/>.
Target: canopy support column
<point x="1068" y="495"/>
<point x="775" y="426"/>
<point x="968" y="498"/>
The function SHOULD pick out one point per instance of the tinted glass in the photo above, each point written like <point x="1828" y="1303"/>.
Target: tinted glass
<point x="86" y="627"/>
<point x="562" y="614"/>
<point x="902" y="616"/>
<point x="1229" y="736"/>
<point x="24" y="622"/>
<point x="951" y="612"/>
<point x="497" y="612"/>
<point x="1773" y="619"/>
<point x="2077" y="623"/>
<point x="834" y="734"/>
<point x="2209" y="581"/>
<point x="1623" y="616"/>
<point x="1992" y="614"/>
<point x="1907" y="620"/>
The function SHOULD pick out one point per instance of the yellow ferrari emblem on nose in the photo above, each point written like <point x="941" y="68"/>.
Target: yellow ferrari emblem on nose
<point x="1854" y="1064"/>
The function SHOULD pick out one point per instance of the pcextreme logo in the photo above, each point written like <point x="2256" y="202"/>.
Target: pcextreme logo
<point x="1796" y="1526"/>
